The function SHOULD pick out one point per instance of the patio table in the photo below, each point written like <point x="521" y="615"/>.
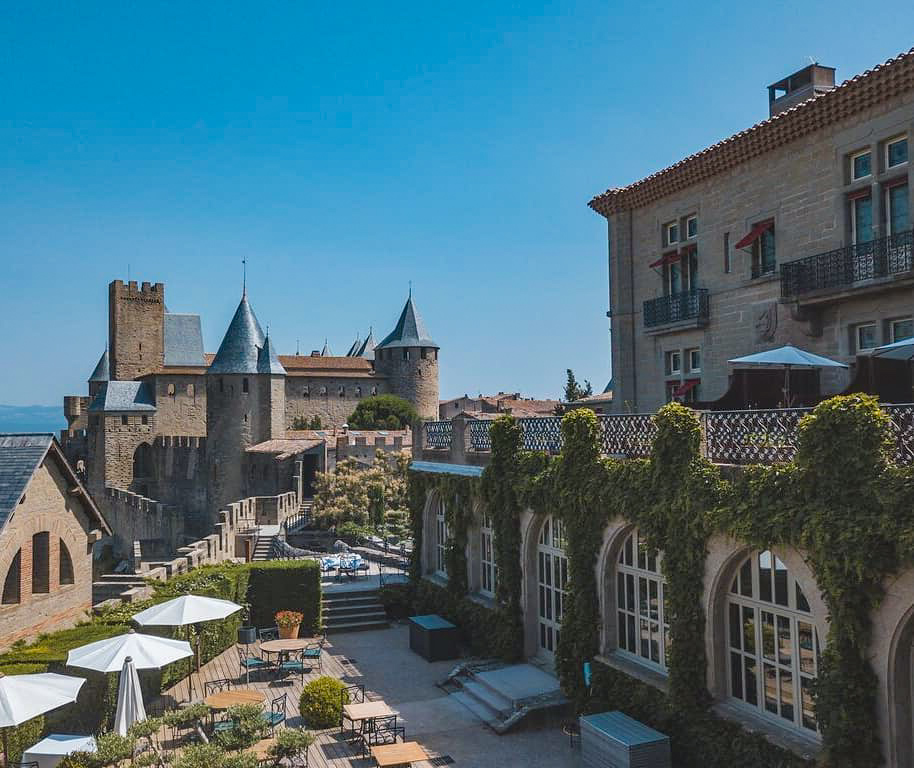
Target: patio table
<point x="367" y="710"/>
<point x="51" y="750"/>
<point x="407" y="753"/>
<point x="285" y="647"/>
<point x="225" y="699"/>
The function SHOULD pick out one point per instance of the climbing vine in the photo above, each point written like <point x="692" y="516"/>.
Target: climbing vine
<point x="842" y="503"/>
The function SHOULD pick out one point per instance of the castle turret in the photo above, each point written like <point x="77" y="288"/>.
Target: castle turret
<point x="136" y="329"/>
<point x="245" y="403"/>
<point x="101" y="375"/>
<point x="409" y="359"/>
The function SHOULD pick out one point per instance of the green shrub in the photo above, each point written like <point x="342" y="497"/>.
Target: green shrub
<point x="322" y="702"/>
<point x="290" y="743"/>
<point x="353" y="533"/>
<point x="397" y="600"/>
<point x="250" y="727"/>
<point x="280" y="585"/>
<point x="383" y="412"/>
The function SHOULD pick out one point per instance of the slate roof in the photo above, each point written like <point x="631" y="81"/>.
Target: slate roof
<point x="183" y="340"/>
<point x="354" y="349"/>
<point x="20" y="456"/>
<point x="267" y="361"/>
<point x="410" y="330"/>
<point x="239" y="349"/>
<point x="367" y="348"/>
<point x="871" y="88"/>
<point x="326" y="351"/>
<point x="120" y="396"/>
<point x="101" y="372"/>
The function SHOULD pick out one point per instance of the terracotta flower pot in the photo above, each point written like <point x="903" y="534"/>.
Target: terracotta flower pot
<point x="289" y="633"/>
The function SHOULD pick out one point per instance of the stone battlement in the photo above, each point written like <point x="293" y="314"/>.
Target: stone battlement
<point x="137" y="501"/>
<point x="180" y="441"/>
<point x="145" y="289"/>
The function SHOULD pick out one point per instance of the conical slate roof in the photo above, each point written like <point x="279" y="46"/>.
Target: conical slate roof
<point x="267" y="361"/>
<point x="101" y="372"/>
<point x="238" y="352"/>
<point x="367" y="348"/>
<point x="410" y="330"/>
<point x="354" y="349"/>
<point x="326" y="352"/>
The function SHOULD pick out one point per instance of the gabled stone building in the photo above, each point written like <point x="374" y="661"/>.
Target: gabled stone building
<point x="48" y="525"/>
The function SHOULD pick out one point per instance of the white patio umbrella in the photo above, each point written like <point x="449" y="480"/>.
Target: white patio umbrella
<point x="23" y="697"/>
<point x="187" y="610"/>
<point x="787" y="357"/>
<point x="130" y="707"/>
<point x="900" y="350"/>
<point x="147" y="652"/>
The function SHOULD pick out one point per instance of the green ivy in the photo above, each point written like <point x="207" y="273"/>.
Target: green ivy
<point x="842" y="502"/>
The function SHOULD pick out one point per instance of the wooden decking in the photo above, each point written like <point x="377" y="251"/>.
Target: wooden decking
<point x="330" y="750"/>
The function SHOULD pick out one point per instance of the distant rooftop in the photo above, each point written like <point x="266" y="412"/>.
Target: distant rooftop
<point x="124" y="396"/>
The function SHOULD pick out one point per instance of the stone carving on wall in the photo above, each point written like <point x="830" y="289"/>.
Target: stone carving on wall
<point x="766" y="321"/>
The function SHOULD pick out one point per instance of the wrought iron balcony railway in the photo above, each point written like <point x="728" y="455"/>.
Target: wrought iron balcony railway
<point x="844" y="267"/>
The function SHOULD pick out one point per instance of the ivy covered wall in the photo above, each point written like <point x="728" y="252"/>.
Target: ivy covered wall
<point x="842" y="503"/>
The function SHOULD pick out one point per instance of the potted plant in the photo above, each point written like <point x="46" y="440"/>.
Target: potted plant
<point x="288" y="623"/>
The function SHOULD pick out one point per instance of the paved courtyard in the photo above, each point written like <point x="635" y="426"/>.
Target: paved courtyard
<point x="382" y="662"/>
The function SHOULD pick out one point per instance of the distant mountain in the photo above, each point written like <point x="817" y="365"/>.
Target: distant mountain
<point x="32" y="418"/>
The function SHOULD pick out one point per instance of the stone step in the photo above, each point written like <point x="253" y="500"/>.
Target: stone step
<point x="363" y="598"/>
<point x="358" y="626"/>
<point x="499" y="704"/>
<point x="478" y="708"/>
<point x="349" y="610"/>
<point x="350" y="618"/>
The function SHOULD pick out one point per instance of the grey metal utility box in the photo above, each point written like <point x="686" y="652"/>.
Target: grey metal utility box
<point x="614" y="740"/>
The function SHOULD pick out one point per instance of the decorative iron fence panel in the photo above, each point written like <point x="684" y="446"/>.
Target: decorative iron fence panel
<point x="438" y="434"/>
<point x="883" y="257"/>
<point x="752" y="437"/>
<point x="629" y="435"/>
<point x="903" y="426"/>
<point x="688" y="305"/>
<point x="480" y="439"/>
<point x="543" y="434"/>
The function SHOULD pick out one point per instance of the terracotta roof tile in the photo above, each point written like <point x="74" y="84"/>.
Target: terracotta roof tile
<point x="866" y="90"/>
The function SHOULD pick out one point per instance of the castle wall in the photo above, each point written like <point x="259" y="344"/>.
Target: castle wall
<point x="133" y="517"/>
<point x="413" y="377"/>
<point x="136" y="328"/>
<point x="272" y="417"/>
<point x="180" y="404"/>
<point x="307" y="397"/>
<point x="113" y="442"/>
<point x="180" y="470"/>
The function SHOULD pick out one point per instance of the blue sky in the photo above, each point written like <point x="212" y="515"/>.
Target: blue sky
<point x="345" y="149"/>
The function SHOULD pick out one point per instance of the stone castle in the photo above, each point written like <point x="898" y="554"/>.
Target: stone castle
<point x="169" y="435"/>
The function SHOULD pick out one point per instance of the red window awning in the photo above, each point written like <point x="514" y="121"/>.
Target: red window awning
<point x="860" y="194"/>
<point x="685" y="387"/>
<point x="755" y="233"/>
<point x="667" y="258"/>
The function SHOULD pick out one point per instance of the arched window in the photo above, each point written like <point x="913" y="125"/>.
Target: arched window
<point x="374" y="391"/>
<point x="323" y="391"/>
<point x="342" y="391"/>
<point x="642" y="624"/>
<point x="41" y="563"/>
<point x="66" y="565"/>
<point x="358" y="391"/>
<point x="487" y="556"/>
<point x="552" y="580"/>
<point x="191" y="391"/>
<point x="171" y="390"/>
<point x="774" y="648"/>
<point x="306" y="392"/>
<point x="441" y="536"/>
<point x="12" y="585"/>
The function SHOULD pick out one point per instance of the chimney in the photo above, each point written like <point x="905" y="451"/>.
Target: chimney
<point x="807" y="83"/>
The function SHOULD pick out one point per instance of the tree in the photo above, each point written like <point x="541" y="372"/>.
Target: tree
<point x="303" y="422"/>
<point x="383" y="412"/>
<point x="573" y="390"/>
<point x="364" y="496"/>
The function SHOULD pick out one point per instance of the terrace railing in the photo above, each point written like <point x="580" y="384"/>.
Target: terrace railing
<point x="728" y="437"/>
<point x="843" y="267"/>
<point x="438" y="434"/>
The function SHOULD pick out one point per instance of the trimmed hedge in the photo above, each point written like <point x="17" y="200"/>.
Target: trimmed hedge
<point x="263" y="586"/>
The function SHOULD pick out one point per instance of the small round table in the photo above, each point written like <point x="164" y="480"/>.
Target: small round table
<point x="225" y="699"/>
<point x="281" y="647"/>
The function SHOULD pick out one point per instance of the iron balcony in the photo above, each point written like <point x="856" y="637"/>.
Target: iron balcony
<point x="677" y="307"/>
<point x="844" y="267"/>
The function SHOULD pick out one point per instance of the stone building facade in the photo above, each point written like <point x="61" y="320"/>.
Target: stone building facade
<point x="173" y="425"/>
<point x="49" y="527"/>
<point x="795" y="231"/>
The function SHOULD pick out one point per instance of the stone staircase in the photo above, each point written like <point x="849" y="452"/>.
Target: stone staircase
<point x="502" y="696"/>
<point x="263" y="548"/>
<point x="302" y="519"/>
<point x="353" y="611"/>
<point x="112" y="586"/>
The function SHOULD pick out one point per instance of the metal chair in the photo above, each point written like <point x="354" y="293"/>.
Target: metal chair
<point x="215" y="686"/>
<point x="381" y="730"/>
<point x="351" y="694"/>
<point x="314" y="652"/>
<point x="294" y="665"/>
<point x="250" y="663"/>
<point x="277" y="714"/>
<point x="268" y="633"/>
